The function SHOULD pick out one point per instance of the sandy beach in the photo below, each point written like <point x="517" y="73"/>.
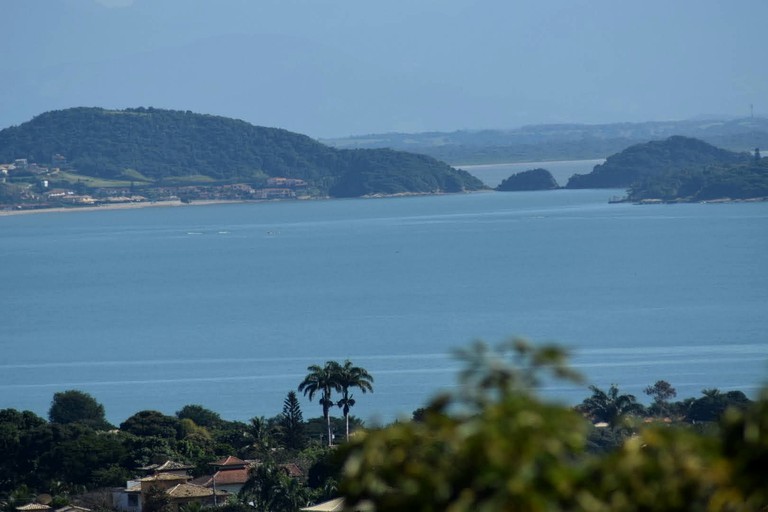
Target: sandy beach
<point x="118" y="206"/>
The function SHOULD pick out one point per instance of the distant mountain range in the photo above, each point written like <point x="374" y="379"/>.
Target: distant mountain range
<point x="151" y="147"/>
<point x="562" y="141"/>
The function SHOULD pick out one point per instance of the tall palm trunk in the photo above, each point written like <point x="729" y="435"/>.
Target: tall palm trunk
<point x="346" y="414"/>
<point x="350" y="376"/>
<point x="327" y="403"/>
<point x="323" y="380"/>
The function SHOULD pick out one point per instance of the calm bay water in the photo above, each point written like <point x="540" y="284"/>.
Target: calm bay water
<point x="493" y="174"/>
<point x="227" y="305"/>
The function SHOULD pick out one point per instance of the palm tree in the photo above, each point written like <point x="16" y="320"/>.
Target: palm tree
<point x="267" y="489"/>
<point x="261" y="433"/>
<point x="609" y="407"/>
<point x="323" y="380"/>
<point x="352" y="377"/>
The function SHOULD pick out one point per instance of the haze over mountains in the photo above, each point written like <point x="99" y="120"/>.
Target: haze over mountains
<point x="563" y="141"/>
<point x="330" y="69"/>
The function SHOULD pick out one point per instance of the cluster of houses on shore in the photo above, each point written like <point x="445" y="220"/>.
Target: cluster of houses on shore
<point x="228" y="476"/>
<point x="42" y="188"/>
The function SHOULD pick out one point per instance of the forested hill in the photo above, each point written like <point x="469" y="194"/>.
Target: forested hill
<point x="655" y="158"/>
<point x="152" y="145"/>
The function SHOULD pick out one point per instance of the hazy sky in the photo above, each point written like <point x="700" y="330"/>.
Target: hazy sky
<point x="342" y="67"/>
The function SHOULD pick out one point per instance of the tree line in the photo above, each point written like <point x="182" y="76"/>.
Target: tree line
<point x="491" y="445"/>
<point x="78" y="449"/>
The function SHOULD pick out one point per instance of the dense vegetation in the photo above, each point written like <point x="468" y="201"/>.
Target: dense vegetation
<point x="147" y="145"/>
<point x="561" y="141"/>
<point x="534" y="179"/>
<point x="494" y="445"/>
<point x="78" y="450"/>
<point x="384" y="171"/>
<point x="491" y="444"/>
<point x="680" y="169"/>
<point x="705" y="184"/>
<point x="654" y="158"/>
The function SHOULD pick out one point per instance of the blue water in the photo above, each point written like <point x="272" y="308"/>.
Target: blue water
<point x="493" y="174"/>
<point x="226" y="305"/>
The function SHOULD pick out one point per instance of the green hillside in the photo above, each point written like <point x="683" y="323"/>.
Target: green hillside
<point x="744" y="181"/>
<point x="161" y="146"/>
<point x="654" y="158"/>
<point x="680" y="169"/>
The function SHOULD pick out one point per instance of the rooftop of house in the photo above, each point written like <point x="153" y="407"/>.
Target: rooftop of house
<point x="228" y="477"/>
<point x="34" y="506"/>
<point x="73" y="508"/>
<point x="192" y="491"/>
<point x="229" y="461"/>
<point x="169" y="465"/>
<point x="163" y="476"/>
<point x="336" y="504"/>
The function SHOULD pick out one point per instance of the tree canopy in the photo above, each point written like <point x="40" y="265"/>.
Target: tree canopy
<point x="200" y="415"/>
<point x="494" y="445"/>
<point x="75" y="406"/>
<point x="152" y="423"/>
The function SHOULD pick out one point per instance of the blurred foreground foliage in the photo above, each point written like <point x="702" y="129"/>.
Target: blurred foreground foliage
<point x="494" y="445"/>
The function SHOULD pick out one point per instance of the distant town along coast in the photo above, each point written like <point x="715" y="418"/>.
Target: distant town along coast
<point x="144" y="155"/>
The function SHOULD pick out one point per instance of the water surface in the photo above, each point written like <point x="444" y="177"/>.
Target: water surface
<point x="227" y="305"/>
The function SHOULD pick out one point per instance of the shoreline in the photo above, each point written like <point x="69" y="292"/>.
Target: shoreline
<point x="208" y="202"/>
<point x="120" y="206"/>
<point x="205" y="202"/>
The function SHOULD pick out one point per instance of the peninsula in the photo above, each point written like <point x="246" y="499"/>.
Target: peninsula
<point x="90" y="156"/>
<point x="680" y="169"/>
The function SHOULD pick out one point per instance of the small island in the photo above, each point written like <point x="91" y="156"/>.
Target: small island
<point x="533" y="179"/>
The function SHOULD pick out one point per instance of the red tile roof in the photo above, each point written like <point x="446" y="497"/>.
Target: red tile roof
<point x="224" y="477"/>
<point x="231" y="476"/>
<point x="229" y="461"/>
